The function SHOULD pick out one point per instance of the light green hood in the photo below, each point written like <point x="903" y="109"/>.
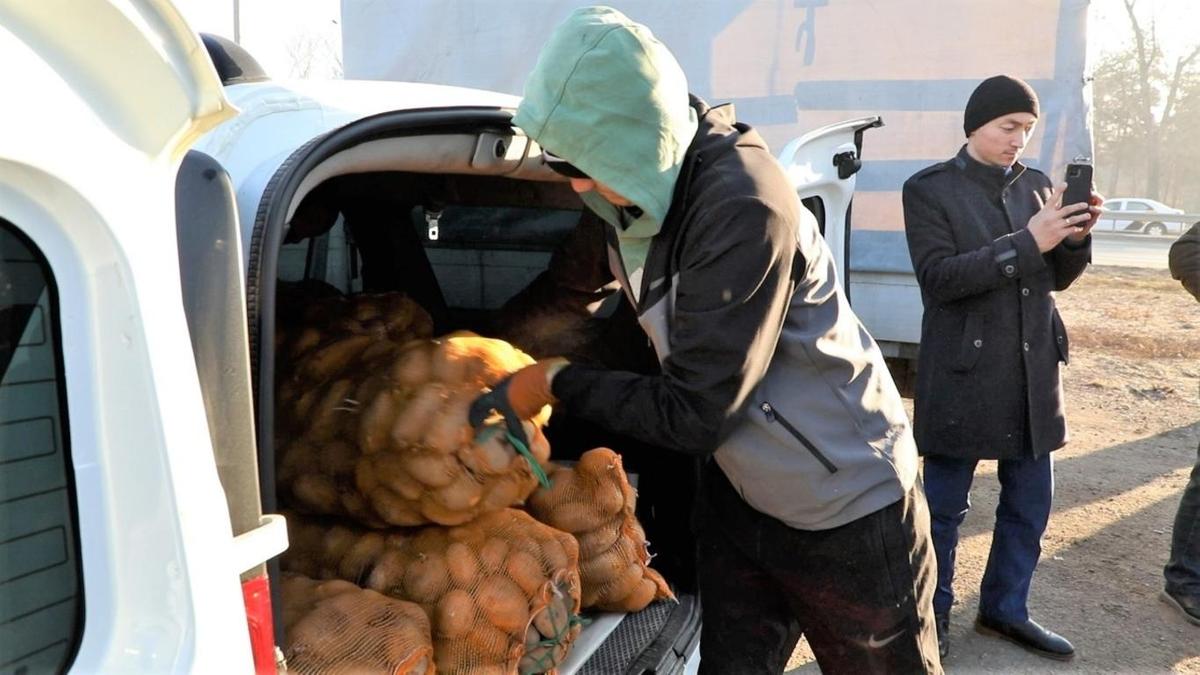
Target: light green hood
<point x="609" y="98"/>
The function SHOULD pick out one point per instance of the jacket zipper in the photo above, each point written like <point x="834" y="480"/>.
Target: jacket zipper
<point x="773" y="416"/>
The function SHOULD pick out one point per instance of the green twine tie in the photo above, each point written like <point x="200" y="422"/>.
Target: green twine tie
<point x="533" y="463"/>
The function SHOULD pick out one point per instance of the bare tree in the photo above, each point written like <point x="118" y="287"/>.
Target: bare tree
<point x="1117" y="123"/>
<point x="1149" y="58"/>
<point x="314" y="55"/>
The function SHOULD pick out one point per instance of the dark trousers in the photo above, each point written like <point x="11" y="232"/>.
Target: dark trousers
<point x="1182" y="572"/>
<point x="1026" y="490"/>
<point x="861" y="593"/>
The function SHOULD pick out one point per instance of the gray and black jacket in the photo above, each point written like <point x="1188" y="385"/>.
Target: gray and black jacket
<point x="763" y="364"/>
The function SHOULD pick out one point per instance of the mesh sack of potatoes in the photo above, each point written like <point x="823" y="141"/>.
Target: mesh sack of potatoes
<point x="321" y="333"/>
<point x="387" y="440"/>
<point x="333" y="627"/>
<point x="594" y="501"/>
<point x="502" y="592"/>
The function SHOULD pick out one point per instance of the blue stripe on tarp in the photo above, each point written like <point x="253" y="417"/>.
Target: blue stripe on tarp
<point x="879" y="251"/>
<point x="888" y="175"/>
<point x="865" y="95"/>
<point x="884" y="95"/>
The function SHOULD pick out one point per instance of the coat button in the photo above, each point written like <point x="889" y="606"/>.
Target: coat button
<point x="1058" y="339"/>
<point x="1025" y="346"/>
<point x="978" y="344"/>
<point x="1024" y="291"/>
<point x="1009" y="269"/>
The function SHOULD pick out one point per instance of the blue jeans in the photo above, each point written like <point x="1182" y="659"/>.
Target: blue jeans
<point x="1182" y="572"/>
<point x="1026" y="490"/>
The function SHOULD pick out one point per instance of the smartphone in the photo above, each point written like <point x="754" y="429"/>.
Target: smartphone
<point x="1079" y="184"/>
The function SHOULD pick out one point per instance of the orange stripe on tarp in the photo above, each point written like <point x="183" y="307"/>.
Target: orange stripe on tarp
<point x="877" y="211"/>
<point x="763" y="51"/>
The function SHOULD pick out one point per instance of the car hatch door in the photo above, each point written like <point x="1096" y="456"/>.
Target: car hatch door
<point x="822" y="165"/>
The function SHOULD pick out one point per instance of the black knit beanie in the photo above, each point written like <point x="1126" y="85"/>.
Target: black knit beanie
<point x="996" y="96"/>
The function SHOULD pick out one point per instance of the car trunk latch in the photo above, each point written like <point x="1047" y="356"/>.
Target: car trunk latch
<point x="432" y="218"/>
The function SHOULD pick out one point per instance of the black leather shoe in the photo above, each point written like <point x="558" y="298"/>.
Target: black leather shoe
<point x="1187" y="605"/>
<point x="942" y="622"/>
<point x="1029" y="636"/>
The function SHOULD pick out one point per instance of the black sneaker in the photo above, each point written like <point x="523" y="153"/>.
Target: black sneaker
<point x="1188" y="606"/>
<point x="942" y="622"/>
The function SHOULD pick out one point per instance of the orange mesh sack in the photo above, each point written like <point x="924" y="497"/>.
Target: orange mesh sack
<point x="319" y="332"/>
<point x="333" y="627"/>
<point x="502" y="592"/>
<point x="595" y="502"/>
<point x="387" y="440"/>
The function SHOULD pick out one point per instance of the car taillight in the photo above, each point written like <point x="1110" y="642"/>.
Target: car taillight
<point x="256" y="593"/>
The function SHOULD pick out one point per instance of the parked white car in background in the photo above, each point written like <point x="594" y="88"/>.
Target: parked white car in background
<point x="1152" y="223"/>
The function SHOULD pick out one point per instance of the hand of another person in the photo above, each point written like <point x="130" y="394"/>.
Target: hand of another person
<point x="519" y="396"/>
<point x="1054" y="222"/>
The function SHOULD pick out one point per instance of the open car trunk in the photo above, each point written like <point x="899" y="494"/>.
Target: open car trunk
<point x="456" y="209"/>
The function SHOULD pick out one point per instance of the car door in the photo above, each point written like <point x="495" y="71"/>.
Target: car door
<point x="1108" y="223"/>
<point x="822" y="165"/>
<point x="117" y="552"/>
<point x="1137" y="223"/>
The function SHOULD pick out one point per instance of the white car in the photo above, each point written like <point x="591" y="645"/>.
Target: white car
<point x="1126" y="221"/>
<point x="150" y="206"/>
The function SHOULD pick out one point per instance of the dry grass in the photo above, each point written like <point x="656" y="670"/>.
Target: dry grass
<point x="1139" y="313"/>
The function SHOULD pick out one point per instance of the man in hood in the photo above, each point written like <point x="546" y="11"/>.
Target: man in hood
<point x="810" y="518"/>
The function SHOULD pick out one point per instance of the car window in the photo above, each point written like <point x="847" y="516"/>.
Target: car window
<point x="1137" y="206"/>
<point x="482" y="256"/>
<point x="40" y="582"/>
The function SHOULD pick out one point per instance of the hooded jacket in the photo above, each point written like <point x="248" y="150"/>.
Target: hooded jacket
<point x="763" y="364"/>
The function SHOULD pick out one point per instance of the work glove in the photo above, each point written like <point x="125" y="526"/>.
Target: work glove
<point x="518" y="397"/>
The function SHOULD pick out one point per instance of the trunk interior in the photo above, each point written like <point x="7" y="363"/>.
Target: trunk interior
<point x="463" y="243"/>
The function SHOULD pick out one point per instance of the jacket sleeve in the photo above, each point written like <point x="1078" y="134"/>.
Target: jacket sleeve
<point x="733" y="290"/>
<point x="1069" y="260"/>
<point x="1184" y="260"/>
<point x="942" y="270"/>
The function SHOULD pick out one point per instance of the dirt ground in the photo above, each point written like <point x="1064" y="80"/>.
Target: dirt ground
<point x="1132" y="406"/>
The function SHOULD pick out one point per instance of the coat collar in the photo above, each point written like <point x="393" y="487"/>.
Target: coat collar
<point x="991" y="177"/>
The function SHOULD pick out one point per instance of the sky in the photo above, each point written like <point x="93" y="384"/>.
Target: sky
<point x="278" y="33"/>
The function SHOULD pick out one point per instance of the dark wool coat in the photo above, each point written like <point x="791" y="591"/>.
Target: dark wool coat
<point x="988" y="384"/>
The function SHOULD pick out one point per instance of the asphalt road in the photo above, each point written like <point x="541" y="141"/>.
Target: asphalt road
<point x="1130" y="250"/>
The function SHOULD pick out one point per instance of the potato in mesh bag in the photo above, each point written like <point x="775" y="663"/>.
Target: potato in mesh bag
<point x="333" y="627"/>
<point x="308" y="318"/>
<point x="320" y="337"/>
<point x="387" y="441"/>
<point x="595" y="502"/>
<point x="502" y="592"/>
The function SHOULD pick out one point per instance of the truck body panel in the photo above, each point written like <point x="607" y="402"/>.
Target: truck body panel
<point x="789" y="66"/>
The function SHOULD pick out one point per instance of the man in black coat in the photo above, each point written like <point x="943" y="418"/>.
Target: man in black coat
<point x="991" y="242"/>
